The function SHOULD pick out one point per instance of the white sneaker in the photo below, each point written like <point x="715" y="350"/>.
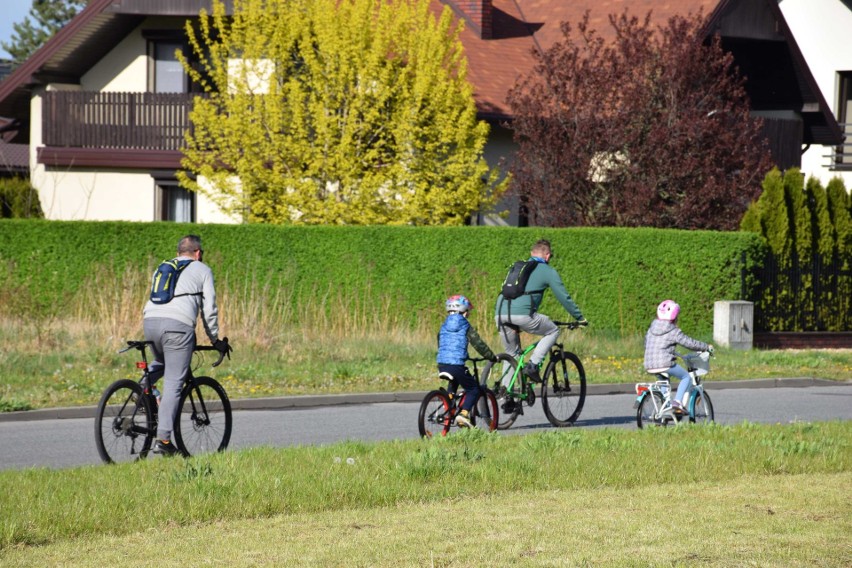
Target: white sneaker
<point x="463" y="419"/>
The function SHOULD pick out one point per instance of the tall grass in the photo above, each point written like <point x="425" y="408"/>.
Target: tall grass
<point x="64" y="352"/>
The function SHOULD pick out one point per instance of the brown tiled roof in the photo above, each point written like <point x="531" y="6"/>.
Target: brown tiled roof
<point x="494" y="64"/>
<point x="520" y="26"/>
<point x="14" y="158"/>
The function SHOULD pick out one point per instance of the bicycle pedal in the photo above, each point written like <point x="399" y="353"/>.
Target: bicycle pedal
<point x="530" y="396"/>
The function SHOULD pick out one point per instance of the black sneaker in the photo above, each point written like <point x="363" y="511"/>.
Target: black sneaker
<point x="531" y="370"/>
<point x="165" y="448"/>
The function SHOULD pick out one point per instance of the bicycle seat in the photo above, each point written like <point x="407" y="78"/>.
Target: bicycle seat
<point x="445" y="376"/>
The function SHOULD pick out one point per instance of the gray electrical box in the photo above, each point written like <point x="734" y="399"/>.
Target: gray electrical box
<point x="732" y="324"/>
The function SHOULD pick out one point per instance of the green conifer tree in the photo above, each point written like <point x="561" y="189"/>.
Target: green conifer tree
<point x="839" y="206"/>
<point x="802" y="286"/>
<point x="774" y="220"/>
<point x="824" y="241"/>
<point x="46" y="17"/>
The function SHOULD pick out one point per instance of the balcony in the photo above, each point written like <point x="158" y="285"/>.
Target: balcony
<point x="93" y="129"/>
<point x="840" y="159"/>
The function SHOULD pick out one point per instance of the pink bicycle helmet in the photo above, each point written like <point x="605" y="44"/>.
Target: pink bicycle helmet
<point x="668" y="310"/>
<point x="458" y="303"/>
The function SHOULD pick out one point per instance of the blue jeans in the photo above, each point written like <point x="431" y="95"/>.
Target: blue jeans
<point x="685" y="380"/>
<point x="461" y="376"/>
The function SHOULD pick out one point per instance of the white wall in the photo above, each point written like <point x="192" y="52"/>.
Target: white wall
<point x="95" y="195"/>
<point x="70" y="193"/>
<point x="823" y="32"/>
<point x="499" y="151"/>
<point x="124" y="69"/>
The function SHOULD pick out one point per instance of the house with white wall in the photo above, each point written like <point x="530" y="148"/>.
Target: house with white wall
<point x="103" y="105"/>
<point x="822" y="29"/>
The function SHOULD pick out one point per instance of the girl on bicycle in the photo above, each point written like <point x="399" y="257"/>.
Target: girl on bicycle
<point x="453" y="338"/>
<point x="660" y="342"/>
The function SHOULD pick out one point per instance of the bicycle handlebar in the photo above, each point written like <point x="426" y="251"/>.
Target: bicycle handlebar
<point x="141" y="345"/>
<point x="571" y="324"/>
<point x="211" y="348"/>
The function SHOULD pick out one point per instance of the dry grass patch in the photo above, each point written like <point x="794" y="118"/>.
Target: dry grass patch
<point x="781" y="520"/>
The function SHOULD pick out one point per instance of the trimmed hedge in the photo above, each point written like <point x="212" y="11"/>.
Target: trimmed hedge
<point x="617" y="276"/>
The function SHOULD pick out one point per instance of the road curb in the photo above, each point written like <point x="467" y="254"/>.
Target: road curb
<point x="313" y="401"/>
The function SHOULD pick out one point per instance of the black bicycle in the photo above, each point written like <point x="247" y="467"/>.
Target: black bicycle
<point x="126" y="422"/>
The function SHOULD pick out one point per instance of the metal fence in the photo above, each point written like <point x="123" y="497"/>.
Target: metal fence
<point x="814" y="295"/>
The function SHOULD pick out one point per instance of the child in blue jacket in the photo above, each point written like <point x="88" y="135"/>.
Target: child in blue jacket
<point x="453" y="338"/>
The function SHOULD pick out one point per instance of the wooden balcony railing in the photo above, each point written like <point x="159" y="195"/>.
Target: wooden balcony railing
<point x="148" y="121"/>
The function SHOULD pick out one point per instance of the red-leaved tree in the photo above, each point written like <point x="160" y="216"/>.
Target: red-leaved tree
<point x="651" y="128"/>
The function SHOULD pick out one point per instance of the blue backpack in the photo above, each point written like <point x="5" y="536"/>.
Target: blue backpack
<point x="165" y="280"/>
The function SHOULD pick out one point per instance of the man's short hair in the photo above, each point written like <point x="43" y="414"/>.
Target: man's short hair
<point x="541" y="246"/>
<point x="189" y="243"/>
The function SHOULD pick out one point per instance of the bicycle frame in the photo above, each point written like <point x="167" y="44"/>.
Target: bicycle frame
<point x="518" y="374"/>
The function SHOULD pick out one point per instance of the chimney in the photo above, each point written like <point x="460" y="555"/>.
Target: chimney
<point x="478" y="14"/>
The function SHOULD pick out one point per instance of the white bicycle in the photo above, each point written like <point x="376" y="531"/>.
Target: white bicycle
<point x="653" y="400"/>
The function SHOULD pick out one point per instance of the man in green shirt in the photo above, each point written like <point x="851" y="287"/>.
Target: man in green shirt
<point x="521" y="314"/>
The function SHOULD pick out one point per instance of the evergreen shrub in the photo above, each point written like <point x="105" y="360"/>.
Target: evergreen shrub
<point x="19" y="199"/>
<point x="808" y="283"/>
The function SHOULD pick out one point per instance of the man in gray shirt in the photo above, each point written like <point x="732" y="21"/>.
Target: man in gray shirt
<point x="171" y="326"/>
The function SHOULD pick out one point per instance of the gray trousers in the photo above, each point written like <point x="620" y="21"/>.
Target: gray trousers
<point x="536" y="324"/>
<point x="173" y="345"/>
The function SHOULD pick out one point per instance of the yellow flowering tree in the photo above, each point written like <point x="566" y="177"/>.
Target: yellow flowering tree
<point x="335" y="111"/>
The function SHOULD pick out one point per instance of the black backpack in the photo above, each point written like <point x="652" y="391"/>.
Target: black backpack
<point x="165" y="280"/>
<point x="516" y="279"/>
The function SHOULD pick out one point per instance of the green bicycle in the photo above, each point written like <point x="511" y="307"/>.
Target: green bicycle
<point x="563" y="386"/>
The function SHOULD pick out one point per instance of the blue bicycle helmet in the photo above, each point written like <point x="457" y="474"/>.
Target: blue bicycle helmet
<point x="458" y="303"/>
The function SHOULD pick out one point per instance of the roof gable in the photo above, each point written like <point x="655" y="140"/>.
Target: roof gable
<point x="499" y="45"/>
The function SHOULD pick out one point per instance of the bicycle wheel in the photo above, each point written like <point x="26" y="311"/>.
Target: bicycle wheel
<point x="563" y="400"/>
<point x="701" y="408"/>
<point x="648" y="409"/>
<point x="435" y="415"/>
<point x="125" y="423"/>
<point x="486" y="412"/>
<point x="497" y="375"/>
<point x="204" y="422"/>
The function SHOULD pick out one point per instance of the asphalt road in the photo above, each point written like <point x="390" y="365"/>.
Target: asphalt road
<point x="68" y="442"/>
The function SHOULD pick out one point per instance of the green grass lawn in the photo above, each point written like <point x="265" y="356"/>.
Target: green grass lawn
<point x="744" y="495"/>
